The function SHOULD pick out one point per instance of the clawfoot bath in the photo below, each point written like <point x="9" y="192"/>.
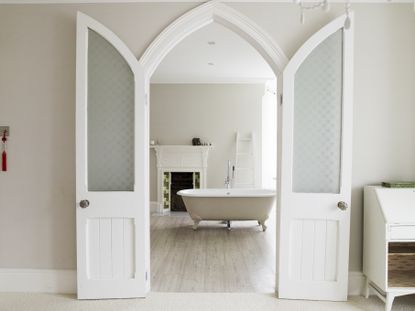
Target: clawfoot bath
<point x="228" y="205"/>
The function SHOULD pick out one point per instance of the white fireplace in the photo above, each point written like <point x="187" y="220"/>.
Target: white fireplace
<point x="178" y="158"/>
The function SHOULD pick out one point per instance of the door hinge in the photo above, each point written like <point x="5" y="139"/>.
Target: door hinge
<point x="281" y="99"/>
<point x="146" y="275"/>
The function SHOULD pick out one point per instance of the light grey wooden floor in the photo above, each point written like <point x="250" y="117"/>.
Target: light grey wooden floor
<point x="211" y="259"/>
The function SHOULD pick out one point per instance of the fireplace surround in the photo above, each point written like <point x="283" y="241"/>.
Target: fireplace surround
<point x="178" y="159"/>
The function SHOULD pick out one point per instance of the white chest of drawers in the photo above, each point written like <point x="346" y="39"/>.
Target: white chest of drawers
<point x="389" y="242"/>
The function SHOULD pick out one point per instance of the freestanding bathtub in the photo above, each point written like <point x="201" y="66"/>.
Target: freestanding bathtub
<point x="228" y="204"/>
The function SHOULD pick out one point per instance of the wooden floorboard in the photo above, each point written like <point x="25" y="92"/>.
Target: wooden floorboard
<point x="211" y="259"/>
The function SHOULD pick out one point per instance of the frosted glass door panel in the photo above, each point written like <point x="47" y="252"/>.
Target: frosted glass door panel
<point x="317" y="119"/>
<point x="110" y="118"/>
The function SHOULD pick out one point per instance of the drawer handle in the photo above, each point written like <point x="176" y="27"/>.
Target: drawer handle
<point x="342" y="205"/>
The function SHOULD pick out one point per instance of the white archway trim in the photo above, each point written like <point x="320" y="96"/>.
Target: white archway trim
<point x="203" y="15"/>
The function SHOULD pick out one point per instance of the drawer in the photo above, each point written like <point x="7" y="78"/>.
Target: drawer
<point x="402" y="232"/>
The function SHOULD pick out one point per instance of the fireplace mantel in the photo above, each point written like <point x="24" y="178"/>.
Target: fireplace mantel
<point x="178" y="158"/>
<point x="181" y="156"/>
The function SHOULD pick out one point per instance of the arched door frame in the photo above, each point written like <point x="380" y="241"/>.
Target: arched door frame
<point x="197" y="18"/>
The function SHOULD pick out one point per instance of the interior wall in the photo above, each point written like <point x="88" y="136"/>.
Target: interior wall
<point x="269" y="136"/>
<point x="212" y="112"/>
<point x="37" y="99"/>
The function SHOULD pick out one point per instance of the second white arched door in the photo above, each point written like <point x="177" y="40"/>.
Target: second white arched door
<point x="315" y="185"/>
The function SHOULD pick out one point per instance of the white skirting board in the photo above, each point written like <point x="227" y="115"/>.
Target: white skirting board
<point x="356" y="283"/>
<point x="38" y="281"/>
<point x="154" y="207"/>
<point x="64" y="281"/>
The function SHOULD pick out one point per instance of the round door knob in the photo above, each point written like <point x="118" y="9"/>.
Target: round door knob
<point x="342" y="205"/>
<point x="84" y="203"/>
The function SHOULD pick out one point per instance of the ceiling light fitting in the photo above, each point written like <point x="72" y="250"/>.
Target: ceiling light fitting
<point x="322" y="4"/>
<point x="325" y="6"/>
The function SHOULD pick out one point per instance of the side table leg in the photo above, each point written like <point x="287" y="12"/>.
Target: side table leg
<point x="367" y="288"/>
<point x="389" y="301"/>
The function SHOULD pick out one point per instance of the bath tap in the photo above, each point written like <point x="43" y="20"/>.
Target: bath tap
<point x="228" y="179"/>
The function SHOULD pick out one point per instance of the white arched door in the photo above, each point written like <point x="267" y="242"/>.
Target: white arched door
<point x="111" y="174"/>
<point x="315" y="188"/>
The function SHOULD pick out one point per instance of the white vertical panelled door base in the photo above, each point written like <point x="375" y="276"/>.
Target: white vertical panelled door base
<point x="113" y="231"/>
<point x="313" y="231"/>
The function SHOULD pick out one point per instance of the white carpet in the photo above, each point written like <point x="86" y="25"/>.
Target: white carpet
<point x="191" y="302"/>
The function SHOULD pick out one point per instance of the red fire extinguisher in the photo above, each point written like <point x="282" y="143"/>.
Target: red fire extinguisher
<point x="4" y="153"/>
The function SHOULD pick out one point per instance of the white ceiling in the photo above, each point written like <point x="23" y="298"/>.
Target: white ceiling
<point x="234" y="60"/>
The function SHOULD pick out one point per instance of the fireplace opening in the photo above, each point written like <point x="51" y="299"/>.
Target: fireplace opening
<point x="179" y="181"/>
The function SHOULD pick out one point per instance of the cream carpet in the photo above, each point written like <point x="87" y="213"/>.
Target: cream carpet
<point x="191" y="302"/>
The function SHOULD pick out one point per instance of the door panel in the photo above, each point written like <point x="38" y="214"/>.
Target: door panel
<point x="312" y="251"/>
<point x="112" y="231"/>
<point x="317" y="118"/>
<point x="110" y="118"/>
<point x="111" y="248"/>
<point x="316" y="167"/>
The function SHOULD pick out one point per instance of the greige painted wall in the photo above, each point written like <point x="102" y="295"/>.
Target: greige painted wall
<point x="37" y="99"/>
<point x="213" y="112"/>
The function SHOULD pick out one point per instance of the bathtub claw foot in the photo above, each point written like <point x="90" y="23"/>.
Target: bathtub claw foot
<point x="195" y="225"/>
